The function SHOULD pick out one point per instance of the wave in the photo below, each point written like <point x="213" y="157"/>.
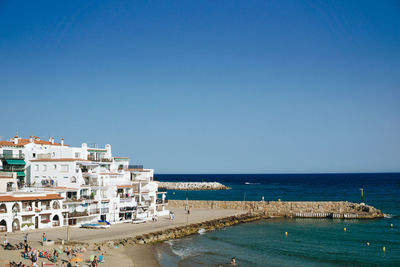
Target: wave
<point x="251" y="183"/>
<point x="202" y="231"/>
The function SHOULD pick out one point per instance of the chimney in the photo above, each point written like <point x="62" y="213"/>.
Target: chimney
<point x="62" y="141"/>
<point x="16" y="140"/>
<point x="52" y="140"/>
<point x="30" y="139"/>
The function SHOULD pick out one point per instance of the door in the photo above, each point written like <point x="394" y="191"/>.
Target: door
<point x="37" y="222"/>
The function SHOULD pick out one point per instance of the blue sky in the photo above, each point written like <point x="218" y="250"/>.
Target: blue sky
<point x="209" y="86"/>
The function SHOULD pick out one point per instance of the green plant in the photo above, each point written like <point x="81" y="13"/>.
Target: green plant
<point x="27" y="224"/>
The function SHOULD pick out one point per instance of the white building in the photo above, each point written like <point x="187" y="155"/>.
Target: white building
<point x="94" y="184"/>
<point x="28" y="210"/>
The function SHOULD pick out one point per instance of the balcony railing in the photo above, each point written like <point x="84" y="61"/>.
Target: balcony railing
<point x="104" y="210"/>
<point x="8" y="156"/>
<point x="92" y="158"/>
<point x="77" y="214"/>
<point x="94" y="211"/>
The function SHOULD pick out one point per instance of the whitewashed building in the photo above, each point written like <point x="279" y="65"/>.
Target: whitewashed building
<point x="94" y="185"/>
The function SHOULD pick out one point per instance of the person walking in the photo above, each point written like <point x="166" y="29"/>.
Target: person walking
<point x="26" y="238"/>
<point x="44" y="237"/>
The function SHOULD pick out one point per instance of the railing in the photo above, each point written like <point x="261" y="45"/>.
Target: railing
<point x="77" y="214"/>
<point x="87" y="197"/>
<point x="92" y="158"/>
<point x="8" y="156"/>
<point x="104" y="210"/>
<point x="94" y="211"/>
<point x="56" y="223"/>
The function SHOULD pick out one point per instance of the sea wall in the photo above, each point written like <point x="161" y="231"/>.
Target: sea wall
<point x="312" y="209"/>
<point x="192" y="186"/>
<point x="182" y="231"/>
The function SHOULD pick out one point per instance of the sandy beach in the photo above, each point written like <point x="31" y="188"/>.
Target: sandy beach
<point x="114" y="256"/>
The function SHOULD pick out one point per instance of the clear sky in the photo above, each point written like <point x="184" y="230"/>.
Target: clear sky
<point x="208" y="86"/>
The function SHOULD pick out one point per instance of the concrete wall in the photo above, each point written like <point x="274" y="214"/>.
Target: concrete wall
<point x="325" y="209"/>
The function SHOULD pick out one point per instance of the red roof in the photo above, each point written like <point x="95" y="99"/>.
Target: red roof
<point x="46" y="197"/>
<point x="23" y="142"/>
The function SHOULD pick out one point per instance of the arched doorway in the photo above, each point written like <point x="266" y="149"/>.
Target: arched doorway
<point x="15" y="225"/>
<point x="3" y="208"/>
<point x="3" y="226"/>
<point x="56" y="220"/>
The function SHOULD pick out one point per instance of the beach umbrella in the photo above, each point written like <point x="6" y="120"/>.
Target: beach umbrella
<point x="77" y="259"/>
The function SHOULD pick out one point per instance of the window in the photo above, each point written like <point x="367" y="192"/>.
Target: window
<point x="64" y="168"/>
<point x="73" y="179"/>
<point x="55" y="167"/>
<point x="44" y="167"/>
<point x="65" y="177"/>
<point x="77" y="155"/>
<point x="36" y="178"/>
<point x="54" y="154"/>
<point x="33" y="155"/>
<point x="36" y="167"/>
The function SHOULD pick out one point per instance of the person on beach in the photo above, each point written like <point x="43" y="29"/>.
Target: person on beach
<point x="95" y="262"/>
<point x="26" y="238"/>
<point x="44" y="237"/>
<point x="5" y="240"/>
<point x="233" y="261"/>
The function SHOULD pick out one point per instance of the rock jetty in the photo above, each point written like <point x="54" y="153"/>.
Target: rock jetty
<point x="182" y="231"/>
<point x="192" y="186"/>
<point x="300" y="209"/>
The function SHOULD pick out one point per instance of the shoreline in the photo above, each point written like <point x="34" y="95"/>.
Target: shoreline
<point x="131" y="244"/>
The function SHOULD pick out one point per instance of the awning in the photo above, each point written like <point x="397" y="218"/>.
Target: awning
<point x="20" y="174"/>
<point x="15" y="161"/>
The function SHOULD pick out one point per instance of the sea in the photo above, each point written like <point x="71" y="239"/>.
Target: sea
<point x="309" y="242"/>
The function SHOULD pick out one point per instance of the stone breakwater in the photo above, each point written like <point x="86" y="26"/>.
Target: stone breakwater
<point x="310" y="209"/>
<point x="192" y="186"/>
<point x="182" y="231"/>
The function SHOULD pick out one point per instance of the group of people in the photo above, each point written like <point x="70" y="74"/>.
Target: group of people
<point x="171" y="215"/>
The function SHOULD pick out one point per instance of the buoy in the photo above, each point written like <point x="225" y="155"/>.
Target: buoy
<point x="173" y="193"/>
<point x="279" y="200"/>
<point x="285" y="233"/>
<point x="391" y="225"/>
<point x="368" y="244"/>
<point x="345" y="229"/>
<point x="384" y="249"/>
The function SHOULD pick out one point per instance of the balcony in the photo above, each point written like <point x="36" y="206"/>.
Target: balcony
<point x="77" y="214"/>
<point x="94" y="211"/>
<point x="8" y="156"/>
<point x="93" y="158"/>
<point x="104" y="210"/>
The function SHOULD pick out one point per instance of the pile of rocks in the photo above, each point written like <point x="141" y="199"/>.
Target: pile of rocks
<point x="182" y="231"/>
<point x="192" y="186"/>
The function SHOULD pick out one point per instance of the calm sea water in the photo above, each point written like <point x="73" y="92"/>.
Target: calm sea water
<point x="310" y="242"/>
